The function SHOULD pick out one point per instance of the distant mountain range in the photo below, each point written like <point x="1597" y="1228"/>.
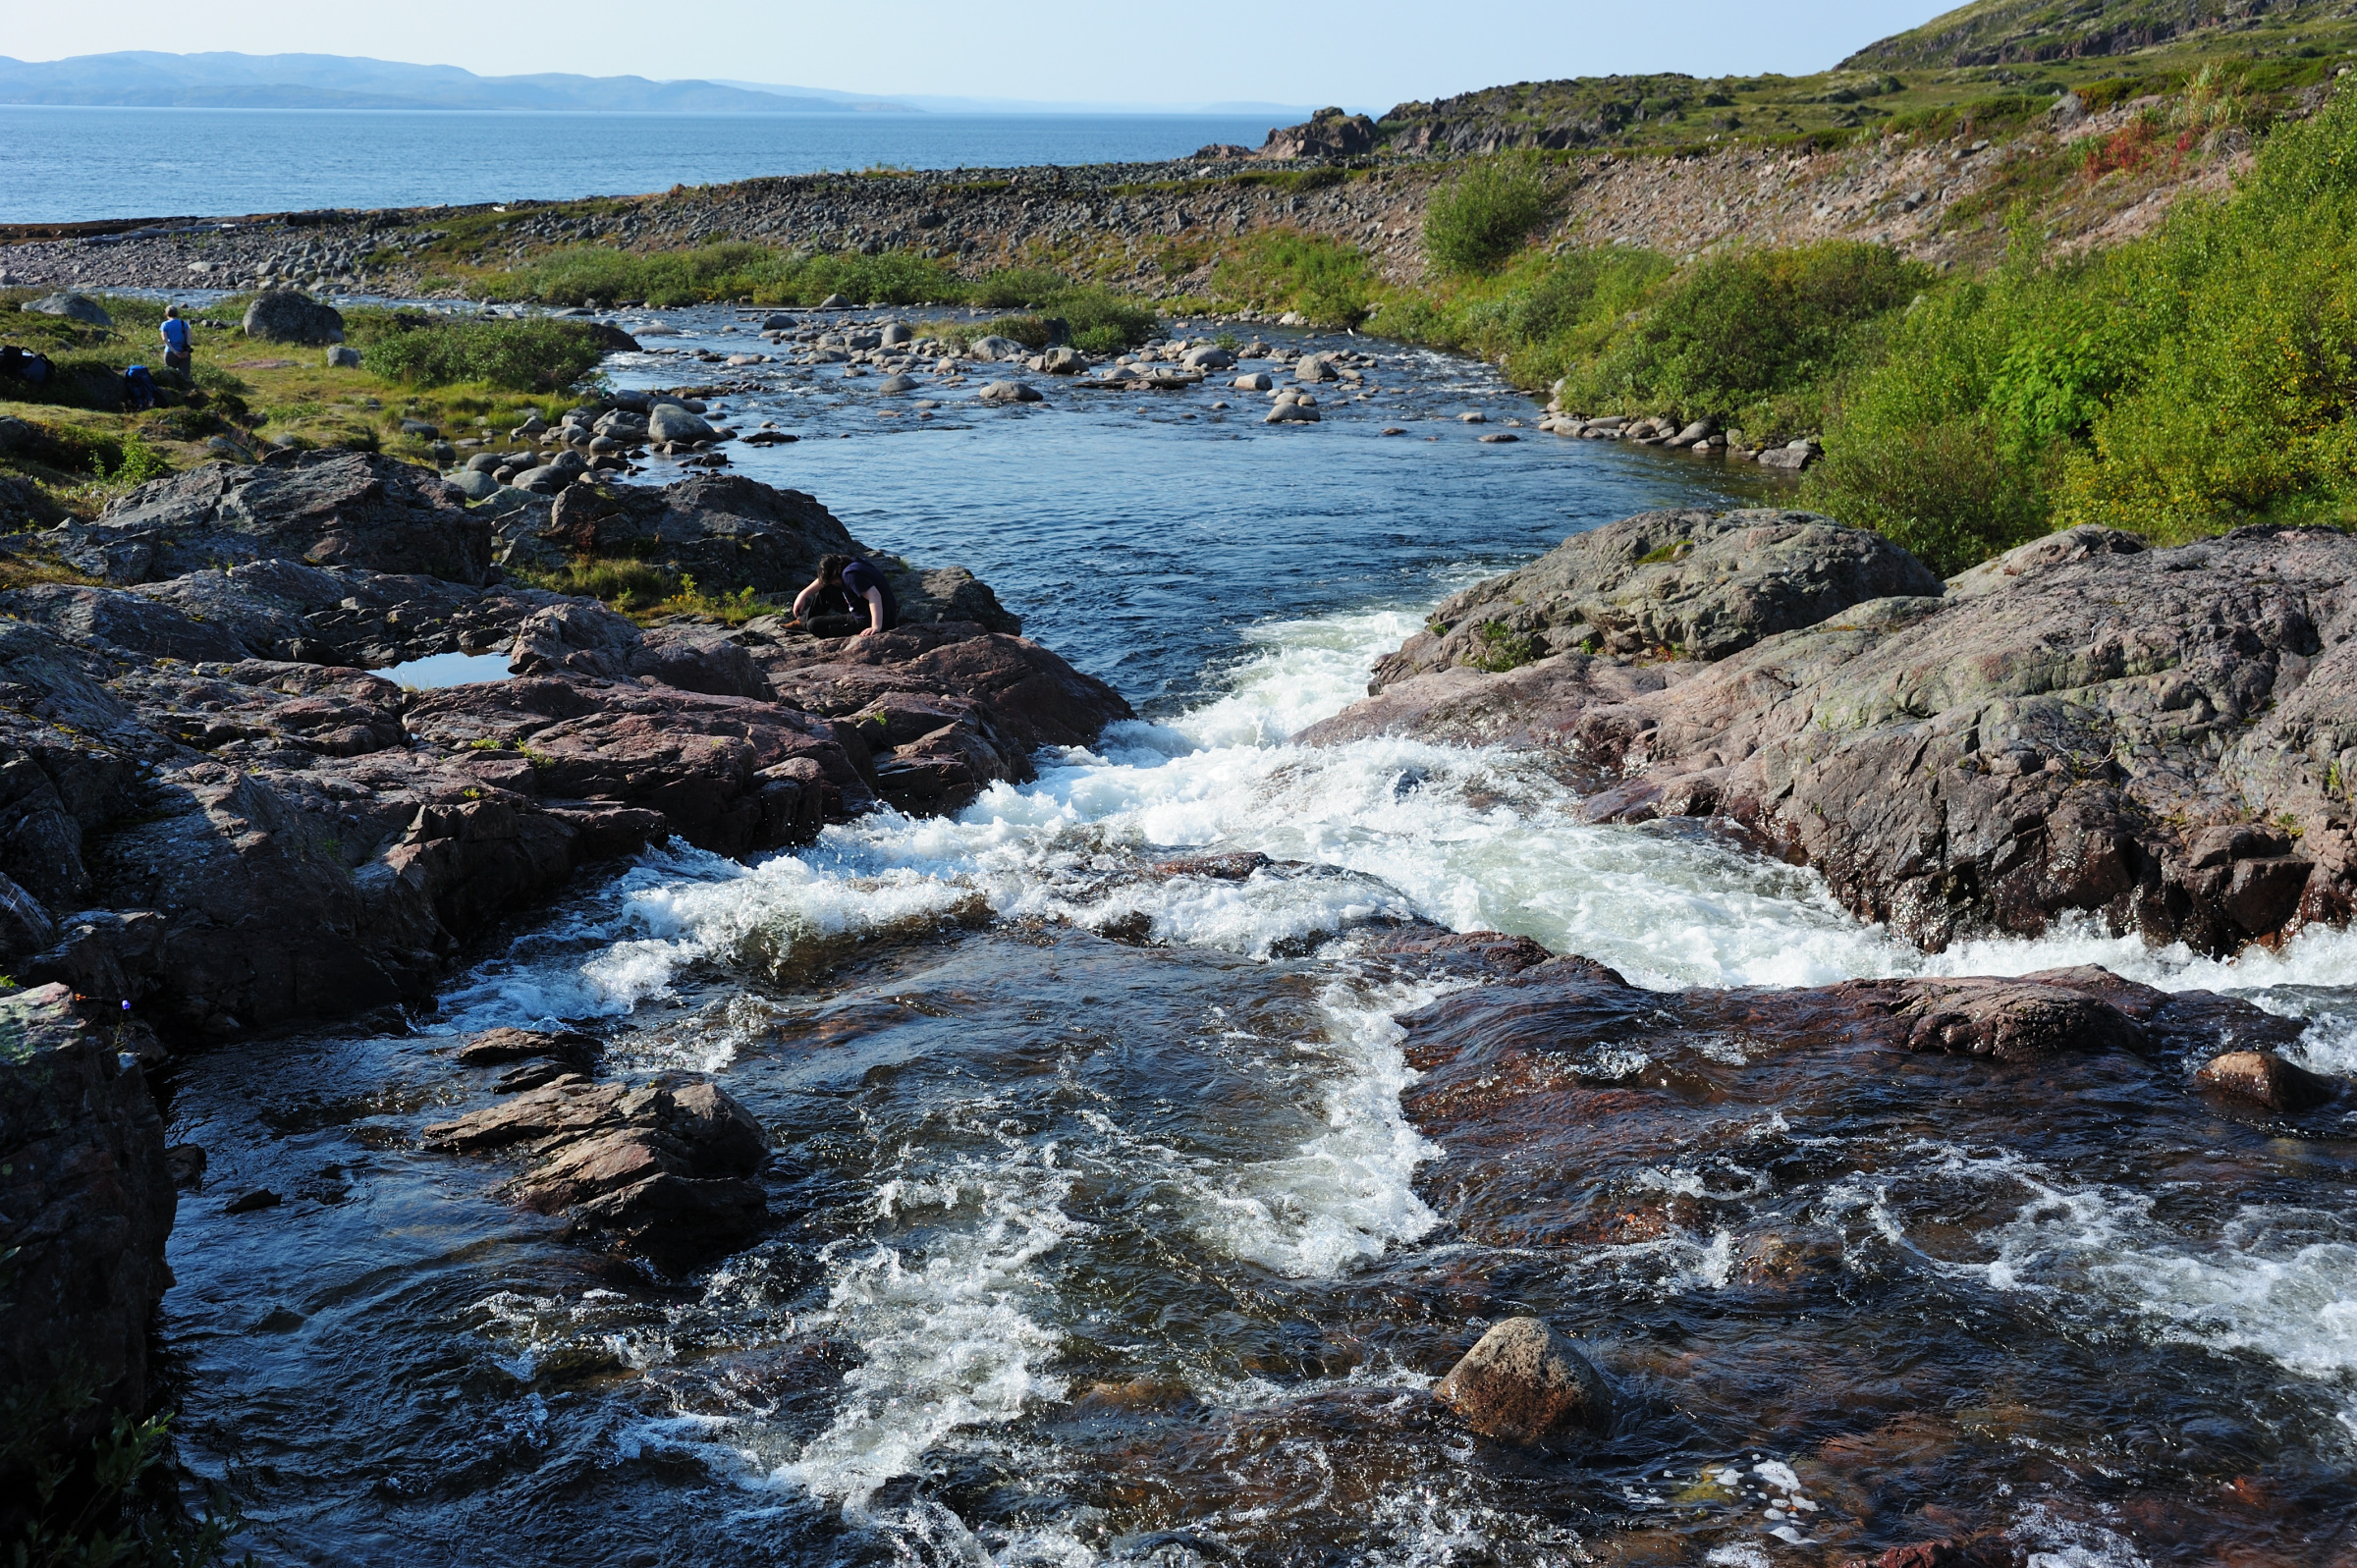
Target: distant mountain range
<point x="146" y="79"/>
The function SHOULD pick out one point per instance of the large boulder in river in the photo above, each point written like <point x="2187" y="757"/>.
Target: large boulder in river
<point x="86" y="1203"/>
<point x="289" y="315"/>
<point x="1525" y="1383"/>
<point x="327" y="508"/>
<point x="1693" y="584"/>
<point x="2163" y="739"/>
<point x="667" y="421"/>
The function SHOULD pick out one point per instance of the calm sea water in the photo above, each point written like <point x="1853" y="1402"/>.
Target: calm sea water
<point x="1108" y="1225"/>
<point x="66" y="164"/>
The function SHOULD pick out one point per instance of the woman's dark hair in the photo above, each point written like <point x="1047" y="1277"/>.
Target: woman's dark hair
<point x="831" y="569"/>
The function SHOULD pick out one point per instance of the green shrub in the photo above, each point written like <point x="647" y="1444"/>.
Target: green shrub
<point x="1015" y="287"/>
<point x="109" y="1502"/>
<point x="736" y="270"/>
<point x="529" y="356"/>
<point x="1751" y="337"/>
<point x="1484" y="215"/>
<point x="623" y="583"/>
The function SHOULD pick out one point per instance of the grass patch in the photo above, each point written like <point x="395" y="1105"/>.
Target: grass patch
<point x="737" y="270"/>
<point x="1330" y="282"/>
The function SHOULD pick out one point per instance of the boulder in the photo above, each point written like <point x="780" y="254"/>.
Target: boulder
<point x="1063" y="360"/>
<point x="664" y="1171"/>
<point x="726" y="531"/>
<point x="1208" y="356"/>
<point x="86" y="1201"/>
<point x="343" y="357"/>
<point x="476" y="484"/>
<point x="895" y="334"/>
<point x="1699" y="584"/>
<point x="1292" y="413"/>
<point x="286" y="315"/>
<point x="2265" y="1079"/>
<point x="1256" y="381"/>
<point x="1312" y="368"/>
<point x="334" y="508"/>
<point x="1008" y="392"/>
<point x="1524" y="1382"/>
<point x="898" y="386"/>
<point x="73" y="306"/>
<point x="992" y="347"/>
<point x="669" y="422"/>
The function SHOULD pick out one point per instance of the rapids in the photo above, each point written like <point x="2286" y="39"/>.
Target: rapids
<point x="1103" y="1230"/>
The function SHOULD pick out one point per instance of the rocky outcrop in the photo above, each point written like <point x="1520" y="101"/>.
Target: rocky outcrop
<point x="2162" y="740"/>
<point x="85" y="1203"/>
<point x="1684" y="584"/>
<point x="207" y="811"/>
<point x="1328" y="133"/>
<point x="1524" y="1382"/>
<point x="325" y="508"/>
<point x="663" y="1171"/>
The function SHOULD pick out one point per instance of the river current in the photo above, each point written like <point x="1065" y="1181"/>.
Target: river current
<point x="1102" y="1233"/>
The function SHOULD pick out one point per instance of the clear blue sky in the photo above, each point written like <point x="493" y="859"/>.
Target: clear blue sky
<point x="1360" y="52"/>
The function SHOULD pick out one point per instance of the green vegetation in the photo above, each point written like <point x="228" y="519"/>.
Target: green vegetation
<point x="650" y="592"/>
<point x="1502" y="648"/>
<point x="1487" y="213"/>
<point x="539" y="354"/>
<point x="108" y="1503"/>
<point x="1086" y="315"/>
<point x="736" y="270"/>
<point x="1332" y="283"/>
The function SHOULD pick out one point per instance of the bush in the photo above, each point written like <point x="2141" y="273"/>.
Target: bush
<point x="1015" y="288"/>
<point x="623" y="583"/>
<point x="531" y="356"/>
<point x="1331" y="283"/>
<point x="1751" y="337"/>
<point x="1487" y="212"/>
<point x="736" y="270"/>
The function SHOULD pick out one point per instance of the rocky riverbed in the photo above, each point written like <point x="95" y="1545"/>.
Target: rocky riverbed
<point x="716" y="1091"/>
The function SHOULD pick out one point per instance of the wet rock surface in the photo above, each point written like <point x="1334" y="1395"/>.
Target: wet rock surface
<point x="2162" y="740"/>
<point x="1524" y="1382"/>
<point x="208" y="811"/>
<point x="663" y="1171"/>
<point x="1700" y="584"/>
<point x="86" y="1199"/>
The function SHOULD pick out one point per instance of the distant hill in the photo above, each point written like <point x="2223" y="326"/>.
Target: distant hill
<point x="1999" y="33"/>
<point x="1991" y="62"/>
<point x="142" y="78"/>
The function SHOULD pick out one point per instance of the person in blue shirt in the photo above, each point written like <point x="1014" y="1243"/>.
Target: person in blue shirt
<point x="859" y="580"/>
<point x="179" y="341"/>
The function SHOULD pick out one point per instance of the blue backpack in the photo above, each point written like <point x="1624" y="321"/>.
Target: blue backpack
<point x="139" y="387"/>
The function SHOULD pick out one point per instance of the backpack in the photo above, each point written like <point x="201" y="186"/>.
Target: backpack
<point x="19" y="364"/>
<point x="139" y="387"/>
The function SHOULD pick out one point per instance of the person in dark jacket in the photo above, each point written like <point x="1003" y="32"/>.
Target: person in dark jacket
<point x="862" y="585"/>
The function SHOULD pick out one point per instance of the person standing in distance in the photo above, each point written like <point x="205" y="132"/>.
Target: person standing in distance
<point x="179" y="341"/>
<point x="859" y="580"/>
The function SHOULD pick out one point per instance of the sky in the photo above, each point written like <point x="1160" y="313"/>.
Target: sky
<point x="1361" y="53"/>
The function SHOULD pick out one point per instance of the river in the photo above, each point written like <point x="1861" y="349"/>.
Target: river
<point x="1101" y="1231"/>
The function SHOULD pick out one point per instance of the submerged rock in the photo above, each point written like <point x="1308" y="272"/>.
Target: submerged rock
<point x="2265" y="1079"/>
<point x="2160" y="738"/>
<point x="1525" y="1383"/>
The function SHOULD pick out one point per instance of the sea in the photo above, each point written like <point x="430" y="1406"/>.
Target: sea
<point x="1106" y="1224"/>
<point x="73" y="164"/>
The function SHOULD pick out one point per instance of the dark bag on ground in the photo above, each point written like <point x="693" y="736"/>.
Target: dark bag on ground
<point x="20" y="364"/>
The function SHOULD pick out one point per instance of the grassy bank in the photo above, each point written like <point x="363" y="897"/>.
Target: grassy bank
<point x="74" y="446"/>
<point x="2192" y="381"/>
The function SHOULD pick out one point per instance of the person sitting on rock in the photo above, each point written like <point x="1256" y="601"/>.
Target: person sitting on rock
<point x="178" y="343"/>
<point x="857" y="580"/>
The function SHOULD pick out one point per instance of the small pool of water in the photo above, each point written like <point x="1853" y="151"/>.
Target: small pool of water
<point x="448" y="669"/>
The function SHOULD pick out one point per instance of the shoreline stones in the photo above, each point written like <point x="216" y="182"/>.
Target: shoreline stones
<point x="1525" y="1384"/>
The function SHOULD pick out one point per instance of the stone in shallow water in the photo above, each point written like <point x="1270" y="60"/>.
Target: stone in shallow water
<point x="1525" y="1383"/>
